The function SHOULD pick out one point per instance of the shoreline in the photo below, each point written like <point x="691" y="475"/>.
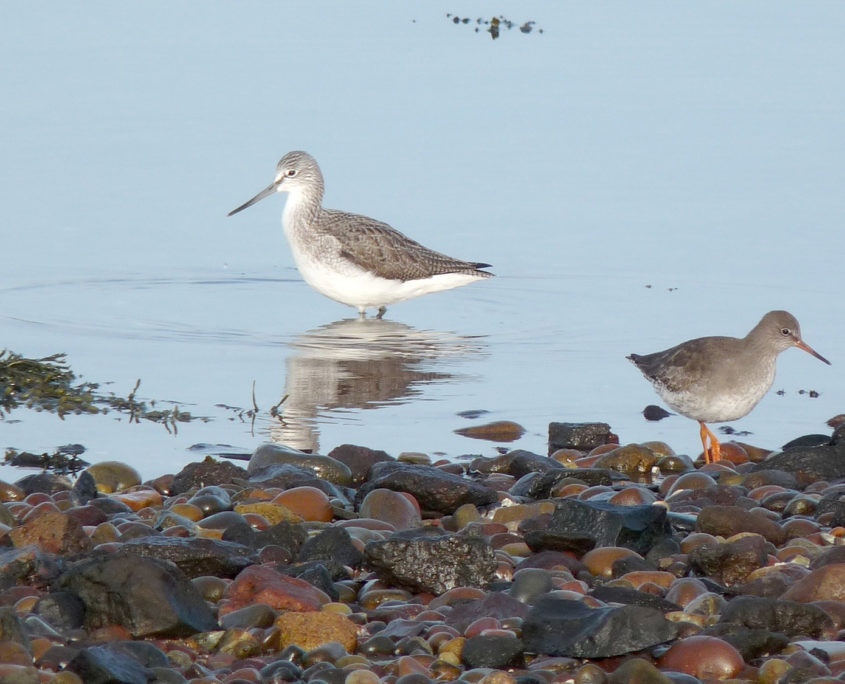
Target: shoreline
<point x="598" y="563"/>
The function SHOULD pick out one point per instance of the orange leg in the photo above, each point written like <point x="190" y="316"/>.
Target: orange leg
<point x="715" y="452"/>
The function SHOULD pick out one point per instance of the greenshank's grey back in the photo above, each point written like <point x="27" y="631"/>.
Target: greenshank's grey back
<point x="351" y="258"/>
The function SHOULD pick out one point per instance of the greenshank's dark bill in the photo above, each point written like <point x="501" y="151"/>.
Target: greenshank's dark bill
<point x="354" y="259"/>
<point x="717" y="379"/>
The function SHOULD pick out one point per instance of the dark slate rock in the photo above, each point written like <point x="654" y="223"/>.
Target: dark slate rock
<point x="195" y="556"/>
<point x="111" y="507"/>
<point x="622" y="566"/>
<point x="633" y="597"/>
<point x="288" y="476"/>
<point x="767" y="476"/>
<point x="530" y="584"/>
<point x="730" y="562"/>
<point x="433" y="565"/>
<point x="61" y="609"/>
<point x="495" y="651"/>
<point x="47" y="483"/>
<point x="663" y="548"/>
<point x="635" y="527"/>
<point x="270" y="454"/>
<point x="718" y="495"/>
<point x="551" y="559"/>
<point x="788" y="617"/>
<point x="85" y="488"/>
<point x="27" y="565"/>
<point x="208" y="472"/>
<point x="333" y="543"/>
<point x="497" y="605"/>
<point x="434" y="489"/>
<point x="148" y="597"/>
<point x="109" y="664"/>
<point x="809" y="464"/>
<point x="834" y="554"/>
<point x="583" y="436"/>
<point x="540" y="486"/>
<point x="726" y="521"/>
<point x="834" y="505"/>
<point x="287" y="536"/>
<point x="13" y="629"/>
<point x="807" y="441"/>
<point x="548" y="540"/>
<point x="359" y="459"/>
<point x="751" y="643"/>
<point x="317" y="575"/>
<point x="281" y="671"/>
<point x="560" y="627"/>
<point x="256" y="616"/>
<point x="240" y="532"/>
<point x="524" y="462"/>
<point x="484" y="465"/>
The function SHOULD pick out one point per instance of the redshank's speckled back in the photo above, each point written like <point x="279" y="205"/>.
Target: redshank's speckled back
<point x="354" y="259"/>
<point x="716" y="379"/>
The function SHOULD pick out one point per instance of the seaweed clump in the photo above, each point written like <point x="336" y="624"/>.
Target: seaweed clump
<point x="46" y="384"/>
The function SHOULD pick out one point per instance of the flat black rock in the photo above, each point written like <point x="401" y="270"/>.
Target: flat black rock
<point x="582" y="436"/>
<point x="560" y="627"/>
<point x="433" y="564"/>
<point x="633" y="597"/>
<point x="635" y="527"/>
<point x="809" y="464"/>
<point x="494" y="651"/>
<point x="108" y="665"/>
<point x="787" y="617"/>
<point x="333" y="543"/>
<point x="147" y="596"/>
<point x="195" y="556"/>
<point x="434" y="489"/>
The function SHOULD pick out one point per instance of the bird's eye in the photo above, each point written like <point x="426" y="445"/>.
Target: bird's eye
<point x="290" y="172"/>
<point x="785" y="331"/>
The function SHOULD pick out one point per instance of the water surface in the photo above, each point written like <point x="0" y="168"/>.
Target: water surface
<point x="637" y="175"/>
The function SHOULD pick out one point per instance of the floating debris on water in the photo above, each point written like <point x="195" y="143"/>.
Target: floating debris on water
<point x="495" y="25"/>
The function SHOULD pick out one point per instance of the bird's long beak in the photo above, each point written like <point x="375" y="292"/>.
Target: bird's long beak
<point x="801" y="344"/>
<point x="266" y="192"/>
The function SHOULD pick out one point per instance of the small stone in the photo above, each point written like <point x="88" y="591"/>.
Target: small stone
<point x="309" y="630"/>
<point x="113" y="476"/>
<point x="497" y="431"/>
<point x="581" y="436"/>
<point x="395" y="508"/>
<point x="704" y="657"/>
<point x="727" y="521"/>
<point x="561" y="627"/>
<point x="52" y="532"/>
<point x="434" y="565"/>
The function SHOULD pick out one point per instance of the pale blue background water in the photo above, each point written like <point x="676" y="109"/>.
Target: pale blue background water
<point x="694" y="147"/>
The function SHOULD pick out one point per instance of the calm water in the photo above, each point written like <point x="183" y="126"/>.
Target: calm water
<point x="638" y="175"/>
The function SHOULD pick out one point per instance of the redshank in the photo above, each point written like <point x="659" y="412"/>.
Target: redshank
<point x="717" y="379"/>
<point x="354" y="259"/>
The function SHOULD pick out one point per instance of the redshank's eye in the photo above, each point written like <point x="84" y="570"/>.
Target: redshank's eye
<point x="785" y="331"/>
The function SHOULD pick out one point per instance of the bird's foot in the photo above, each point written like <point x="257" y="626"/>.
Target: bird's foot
<point x="381" y="311"/>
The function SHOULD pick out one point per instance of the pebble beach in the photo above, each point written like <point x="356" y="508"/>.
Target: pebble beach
<point x="592" y="563"/>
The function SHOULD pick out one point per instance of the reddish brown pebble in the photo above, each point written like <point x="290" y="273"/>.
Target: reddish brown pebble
<point x="309" y="503"/>
<point x="704" y="657"/>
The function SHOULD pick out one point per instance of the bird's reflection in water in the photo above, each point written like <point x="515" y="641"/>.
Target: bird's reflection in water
<point x="361" y="363"/>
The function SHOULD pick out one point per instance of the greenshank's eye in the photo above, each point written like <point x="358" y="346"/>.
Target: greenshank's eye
<point x="290" y="172"/>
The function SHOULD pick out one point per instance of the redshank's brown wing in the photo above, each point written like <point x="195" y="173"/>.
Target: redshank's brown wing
<point x="684" y="366"/>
